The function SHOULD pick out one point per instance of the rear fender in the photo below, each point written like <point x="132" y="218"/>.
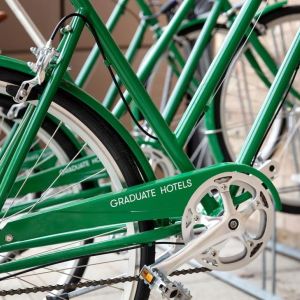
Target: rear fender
<point x="70" y="88"/>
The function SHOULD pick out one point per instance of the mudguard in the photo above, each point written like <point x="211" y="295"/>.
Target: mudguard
<point x="70" y="88"/>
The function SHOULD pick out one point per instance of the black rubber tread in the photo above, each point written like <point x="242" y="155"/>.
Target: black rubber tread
<point x="116" y="146"/>
<point x="264" y="20"/>
<point x="70" y="151"/>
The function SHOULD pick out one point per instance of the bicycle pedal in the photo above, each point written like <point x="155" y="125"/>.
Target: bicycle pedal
<point x="168" y="289"/>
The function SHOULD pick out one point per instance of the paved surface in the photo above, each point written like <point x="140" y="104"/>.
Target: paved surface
<point x="205" y="287"/>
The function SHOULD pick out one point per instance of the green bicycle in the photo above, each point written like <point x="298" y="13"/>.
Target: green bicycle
<point x="275" y="22"/>
<point x="222" y="197"/>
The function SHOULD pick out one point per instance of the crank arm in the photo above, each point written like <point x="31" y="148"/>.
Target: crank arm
<point x="194" y="248"/>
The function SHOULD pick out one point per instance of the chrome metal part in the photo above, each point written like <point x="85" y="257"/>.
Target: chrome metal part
<point x="270" y="168"/>
<point x="9" y="238"/>
<point x="15" y="110"/>
<point x="236" y="236"/>
<point x="167" y="288"/>
<point x="44" y="57"/>
<point x="159" y="161"/>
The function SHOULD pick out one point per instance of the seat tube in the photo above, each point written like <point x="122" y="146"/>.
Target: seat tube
<point x="272" y="104"/>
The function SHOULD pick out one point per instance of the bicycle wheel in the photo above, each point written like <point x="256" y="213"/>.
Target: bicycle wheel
<point x="241" y="95"/>
<point x="61" y="151"/>
<point x="97" y="138"/>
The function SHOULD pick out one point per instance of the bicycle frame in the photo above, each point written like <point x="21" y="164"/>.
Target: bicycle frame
<point x="188" y="68"/>
<point x="147" y="21"/>
<point x="186" y="183"/>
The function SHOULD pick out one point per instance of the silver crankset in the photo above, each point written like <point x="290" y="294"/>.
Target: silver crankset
<point x="227" y="241"/>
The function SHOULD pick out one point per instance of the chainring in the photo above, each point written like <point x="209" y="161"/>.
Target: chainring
<point x="240" y="231"/>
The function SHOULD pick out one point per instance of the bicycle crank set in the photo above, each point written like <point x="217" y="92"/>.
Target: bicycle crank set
<point x="226" y="241"/>
<point x="226" y="220"/>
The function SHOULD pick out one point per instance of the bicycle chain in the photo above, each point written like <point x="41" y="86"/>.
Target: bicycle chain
<point x="110" y="281"/>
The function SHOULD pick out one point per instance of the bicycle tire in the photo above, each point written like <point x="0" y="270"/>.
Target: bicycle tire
<point x="279" y="129"/>
<point x="67" y="150"/>
<point x="116" y="148"/>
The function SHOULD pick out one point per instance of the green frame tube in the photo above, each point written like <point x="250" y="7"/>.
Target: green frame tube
<point x="136" y="88"/>
<point x="131" y="52"/>
<point x="192" y="62"/>
<point x="93" y="56"/>
<point x="199" y="102"/>
<point x="66" y="226"/>
<point x="148" y="209"/>
<point x="33" y="124"/>
<point x="271" y="105"/>
<point x="155" y="52"/>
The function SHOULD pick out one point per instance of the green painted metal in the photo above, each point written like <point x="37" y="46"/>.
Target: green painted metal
<point x="11" y="149"/>
<point x="177" y="56"/>
<point x="88" y="100"/>
<point x="47" y="159"/>
<point x="271" y="104"/>
<point x="14" y="64"/>
<point x="210" y="122"/>
<point x="160" y="199"/>
<point x="193" y="23"/>
<point x="131" y="52"/>
<point x="70" y="173"/>
<point x="136" y="88"/>
<point x="147" y="14"/>
<point x="60" y="224"/>
<point x="41" y="109"/>
<point x="267" y="58"/>
<point x="80" y="234"/>
<point x="212" y="77"/>
<point x="37" y="204"/>
<point x="94" y="248"/>
<point x="211" y="132"/>
<point x="91" y="102"/>
<point x="93" y="56"/>
<point x="157" y="50"/>
<point x="192" y="62"/>
<point x="8" y="139"/>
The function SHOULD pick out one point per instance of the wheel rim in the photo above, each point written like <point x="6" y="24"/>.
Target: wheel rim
<point x="118" y="182"/>
<point x="235" y="109"/>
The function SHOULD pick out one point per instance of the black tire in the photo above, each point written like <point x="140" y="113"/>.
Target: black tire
<point x="69" y="150"/>
<point x="279" y="127"/>
<point x="115" y="146"/>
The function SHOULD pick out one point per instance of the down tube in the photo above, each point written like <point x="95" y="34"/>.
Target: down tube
<point x="271" y="104"/>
